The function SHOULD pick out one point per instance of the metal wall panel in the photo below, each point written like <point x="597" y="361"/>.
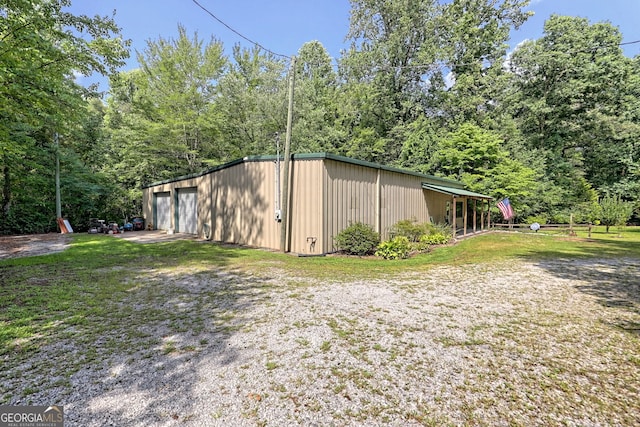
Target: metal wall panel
<point x="402" y="198"/>
<point x="242" y="205"/>
<point x="349" y="196"/>
<point x="237" y="203"/>
<point x="306" y="207"/>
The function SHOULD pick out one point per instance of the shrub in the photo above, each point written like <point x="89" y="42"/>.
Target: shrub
<point x="423" y="244"/>
<point x="398" y="247"/>
<point x="434" y="239"/>
<point x="559" y="218"/>
<point x="358" y="239"/>
<point x="614" y="211"/>
<point x="443" y="229"/>
<point x="540" y="219"/>
<point x="409" y="228"/>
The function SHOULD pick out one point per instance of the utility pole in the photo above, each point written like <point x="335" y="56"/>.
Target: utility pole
<point x="284" y="229"/>
<point x="58" y="201"/>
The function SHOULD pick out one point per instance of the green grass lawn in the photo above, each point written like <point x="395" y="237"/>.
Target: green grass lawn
<point x="79" y="285"/>
<point x="109" y="291"/>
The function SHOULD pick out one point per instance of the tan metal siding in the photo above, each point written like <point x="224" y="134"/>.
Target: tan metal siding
<point x="237" y="204"/>
<point x="350" y="196"/>
<point x="437" y="204"/>
<point x="402" y="198"/>
<point x="306" y="207"/>
<point x="243" y="205"/>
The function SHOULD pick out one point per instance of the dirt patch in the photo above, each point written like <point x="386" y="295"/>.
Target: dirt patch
<point x="42" y="244"/>
<point x="154" y="236"/>
<point x="33" y="244"/>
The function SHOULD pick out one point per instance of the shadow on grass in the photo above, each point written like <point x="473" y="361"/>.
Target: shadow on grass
<point x="122" y="333"/>
<point x="608" y="275"/>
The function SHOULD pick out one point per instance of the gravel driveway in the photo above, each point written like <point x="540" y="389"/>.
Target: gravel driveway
<point x="552" y="343"/>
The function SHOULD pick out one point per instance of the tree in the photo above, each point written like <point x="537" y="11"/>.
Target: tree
<point x="252" y="102"/>
<point x="388" y="71"/>
<point x="476" y="34"/>
<point x="614" y="211"/>
<point x="475" y="157"/>
<point x="42" y="47"/>
<point x="316" y="110"/>
<point x="181" y="80"/>
<point x="574" y="100"/>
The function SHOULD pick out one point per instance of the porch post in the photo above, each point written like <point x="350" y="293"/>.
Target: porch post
<point x="475" y="218"/>
<point x="465" y="207"/>
<point x="453" y="223"/>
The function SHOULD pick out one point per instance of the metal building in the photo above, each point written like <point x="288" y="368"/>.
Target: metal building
<point x="240" y="202"/>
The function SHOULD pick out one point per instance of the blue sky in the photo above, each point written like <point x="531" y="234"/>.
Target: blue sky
<point x="283" y="26"/>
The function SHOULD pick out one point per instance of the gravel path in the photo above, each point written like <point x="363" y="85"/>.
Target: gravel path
<point x="553" y="343"/>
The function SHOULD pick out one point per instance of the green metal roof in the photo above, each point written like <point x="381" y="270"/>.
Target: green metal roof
<point x="311" y="156"/>
<point x="454" y="191"/>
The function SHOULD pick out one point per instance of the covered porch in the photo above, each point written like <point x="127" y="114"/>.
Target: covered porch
<point x="467" y="212"/>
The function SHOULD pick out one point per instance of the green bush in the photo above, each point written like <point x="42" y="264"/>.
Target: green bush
<point x="559" y="218"/>
<point x="423" y="244"/>
<point x="443" y="229"/>
<point x="540" y="219"/>
<point x="357" y="239"/>
<point x="435" y="239"/>
<point x="409" y="228"/>
<point x="398" y="247"/>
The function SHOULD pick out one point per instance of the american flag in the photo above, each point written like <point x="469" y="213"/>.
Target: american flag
<point x="505" y="208"/>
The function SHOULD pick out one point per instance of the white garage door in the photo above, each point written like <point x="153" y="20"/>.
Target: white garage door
<point x="187" y="210"/>
<point x="163" y="211"/>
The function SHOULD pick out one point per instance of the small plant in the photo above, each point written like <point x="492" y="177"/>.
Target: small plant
<point x="440" y="228"/>
<point x="358" y="239"/>
<point x="423" y="245"/>
<point x="434" y="239"/>
<point x="409" y="228"/>
<point x="396" y="248"/>
<point x="270" y="365"/>
<point x="326" y="346"/>
<point x="540" y="219"/>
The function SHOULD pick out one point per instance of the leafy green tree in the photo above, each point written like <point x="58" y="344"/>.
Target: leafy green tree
<point x="475" y="34"/>
<point x="43" y="46"/>
<point x="252" y="102"/>
<point x="388" y="70"/>
<point x="316" y="109"/>
<point x="574" y="101"/>
<point x="181" y="81"/>
<point x="614" y="211"/>
<point x="475" y="156"/>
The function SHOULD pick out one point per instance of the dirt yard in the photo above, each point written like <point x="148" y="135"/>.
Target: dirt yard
<point x="32" y="244"/>
<point x="42" y="244"/>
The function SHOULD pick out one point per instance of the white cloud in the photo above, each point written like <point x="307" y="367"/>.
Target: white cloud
<point x="449" y="80"/>
<point x="506" y="65"/>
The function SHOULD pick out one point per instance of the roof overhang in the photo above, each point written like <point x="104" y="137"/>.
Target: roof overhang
<point x="457" y="192"/>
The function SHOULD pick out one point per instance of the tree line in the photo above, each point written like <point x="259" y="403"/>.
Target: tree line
<point x="426" y="85"/>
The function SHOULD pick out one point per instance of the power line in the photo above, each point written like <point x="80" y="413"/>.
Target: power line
<point x="429" y="67"/>
<point x="238" y="33"/>
<point x="439" y="65"/>
<point x="631" y="42"/>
